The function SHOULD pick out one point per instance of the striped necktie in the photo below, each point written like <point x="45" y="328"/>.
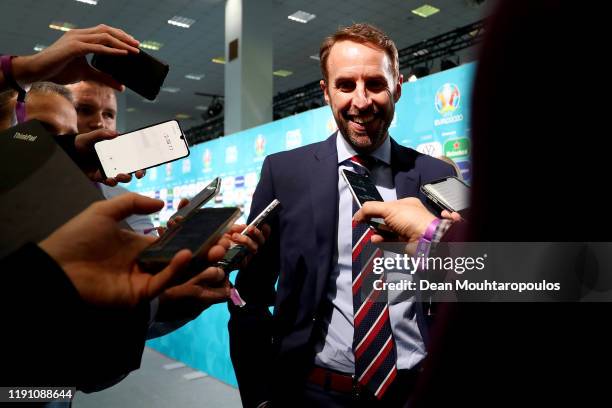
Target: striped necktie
<point x="373" y="344"/>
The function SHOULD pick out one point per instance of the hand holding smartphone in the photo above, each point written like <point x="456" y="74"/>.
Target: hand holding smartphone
<point x="236" y="254"/>
<point x="142" y="149"/>
<point x="363" y="189"/>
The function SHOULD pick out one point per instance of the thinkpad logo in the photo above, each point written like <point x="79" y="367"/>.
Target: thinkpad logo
<point x="25" y="136"/>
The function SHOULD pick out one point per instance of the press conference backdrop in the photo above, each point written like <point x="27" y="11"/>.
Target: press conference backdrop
<point x="432" y="117"/>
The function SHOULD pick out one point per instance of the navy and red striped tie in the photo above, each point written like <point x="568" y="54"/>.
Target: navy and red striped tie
<point x="373" y="344"/>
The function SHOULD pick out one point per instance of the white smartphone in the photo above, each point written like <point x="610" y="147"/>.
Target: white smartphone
<point x="142" y="149"/>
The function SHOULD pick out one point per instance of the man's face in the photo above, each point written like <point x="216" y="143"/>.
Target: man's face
<point x="55" y="111"/>
<point x="96" y="106"/>
<point x="362" y="92"/>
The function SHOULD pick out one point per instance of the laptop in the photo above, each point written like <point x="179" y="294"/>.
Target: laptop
<point x="41" y="187"/>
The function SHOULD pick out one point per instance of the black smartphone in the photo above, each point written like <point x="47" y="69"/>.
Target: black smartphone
<point x="141" y="149"/>
<point x="142" y="73"/>
<point x="363" y="189"/>
<point x="449" y="193"/>
<point x="235" y="255"/>
<point x="199" y="199"/>
<point x="197" y="233"/>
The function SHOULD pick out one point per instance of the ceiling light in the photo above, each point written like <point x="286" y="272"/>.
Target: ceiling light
<point x="61" y="26"/>
<point x="315" y="57"/>
<point x="301" y="16"/>
<point x="282" y="73"/>
<point x="130" y="110"/>
<point x="39" y="47"/>
<point x="219" y="60"/>
<point x="170" y="89"/>
<point x="425" y="10"/>
<point x="195" y="77"/>
<point x="182" y="116"/>
<point x="151" y="45"/>
<point x="201" y="107"/>
<point x="92" y="2"/>
<point x="181" y="21"/>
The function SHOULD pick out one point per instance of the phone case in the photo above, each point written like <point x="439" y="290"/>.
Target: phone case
<point x="142" y="73"/>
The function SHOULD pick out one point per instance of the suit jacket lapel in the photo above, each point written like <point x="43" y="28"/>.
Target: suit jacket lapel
<point x="324" y="203"/>
<point x="407" y="180"/>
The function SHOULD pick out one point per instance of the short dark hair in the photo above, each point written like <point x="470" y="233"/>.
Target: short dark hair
<point x="51" y="88"/>
<point x="364" y="34"/>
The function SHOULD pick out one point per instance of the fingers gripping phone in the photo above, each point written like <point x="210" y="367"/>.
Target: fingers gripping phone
<point x="198" y="233"/>
<point x="140" y="72"/>
<point x="199" y="199"/>
<point x="142" y="149"/>
<point x="449" y="193"/>
<point x="236" y="254"/>
<point x="363" y="190"/>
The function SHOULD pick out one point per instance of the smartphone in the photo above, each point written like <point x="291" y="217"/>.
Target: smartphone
<point x="363" y="189"/>
<point x="197" y="233"/>
<point x="142" y="73"/>
<point x="199" y="199"/>
<point x="449" y="193"/>
<point x="141" y="149"/>
<point x="235" y="255"/>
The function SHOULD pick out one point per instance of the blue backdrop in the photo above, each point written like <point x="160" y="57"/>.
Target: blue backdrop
<point x="432" y="117"/>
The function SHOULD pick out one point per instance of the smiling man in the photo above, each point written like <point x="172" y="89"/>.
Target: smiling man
<point x="326" y="345"/>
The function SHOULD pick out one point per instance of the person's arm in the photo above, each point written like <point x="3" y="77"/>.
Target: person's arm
<point x="410" y="220"/>
<point x="76" y="304"/>
<point x="180" y="304"/>
<point x="64" y="61"/>
<point x="250" y="327"/>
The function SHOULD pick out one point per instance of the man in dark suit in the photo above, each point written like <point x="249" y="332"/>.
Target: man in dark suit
<point x="325" y="345"/>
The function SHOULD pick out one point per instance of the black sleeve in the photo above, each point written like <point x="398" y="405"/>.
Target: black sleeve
<point x="52" y="337"/>
<point x="250" y="327"/>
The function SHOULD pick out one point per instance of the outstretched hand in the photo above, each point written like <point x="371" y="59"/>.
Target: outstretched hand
<point x="100" y="258"/>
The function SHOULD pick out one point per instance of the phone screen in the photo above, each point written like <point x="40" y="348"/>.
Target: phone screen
<point x="142" y="149"/>
<point x="197" y="233"/>
<point x="362" y="188"/>
<point x="451" y="193"/>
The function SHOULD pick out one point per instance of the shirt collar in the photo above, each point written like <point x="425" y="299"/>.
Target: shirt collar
<point x="346" y="151"/>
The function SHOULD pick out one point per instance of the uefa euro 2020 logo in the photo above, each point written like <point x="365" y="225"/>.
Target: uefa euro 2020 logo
<point x="447" y="98"/>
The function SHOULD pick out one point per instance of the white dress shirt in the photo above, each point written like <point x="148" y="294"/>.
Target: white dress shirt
<point x="335" y="350"/>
